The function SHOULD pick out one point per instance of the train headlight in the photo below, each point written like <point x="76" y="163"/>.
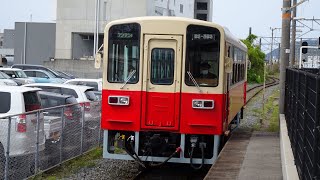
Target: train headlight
<point x="118" y="100"/>
<point x="124" y="100"/>
<point x="197" y="104"/>
<point x="202" y="104"/>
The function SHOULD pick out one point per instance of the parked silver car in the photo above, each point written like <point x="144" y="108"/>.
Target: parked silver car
<point x="6" y="81"/>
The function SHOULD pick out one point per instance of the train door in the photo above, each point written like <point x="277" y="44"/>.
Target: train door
<point x="162" y="82"/>
<point x="229" y="77"/>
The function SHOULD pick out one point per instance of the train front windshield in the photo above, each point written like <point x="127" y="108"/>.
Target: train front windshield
<point x="124" y="53"/>
<point x="202" y="55"/>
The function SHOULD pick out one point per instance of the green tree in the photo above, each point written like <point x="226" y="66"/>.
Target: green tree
<point x="256" y="57"/>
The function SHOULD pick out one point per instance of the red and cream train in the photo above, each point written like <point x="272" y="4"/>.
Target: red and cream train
<point x="171" y="88"/>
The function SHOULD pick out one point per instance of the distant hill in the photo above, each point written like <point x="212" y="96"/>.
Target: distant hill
<point x="276" y="55"/>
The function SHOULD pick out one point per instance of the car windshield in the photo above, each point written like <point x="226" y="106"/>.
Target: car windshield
<point x="50" y="75"/>
<point x="4" y="76"/>
<point x="20" y="74"/>
<point x="54" y="73"/>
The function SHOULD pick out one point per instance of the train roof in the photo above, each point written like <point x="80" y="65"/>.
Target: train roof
<point x="232" y="39"/>
<point x="229" y="37"/>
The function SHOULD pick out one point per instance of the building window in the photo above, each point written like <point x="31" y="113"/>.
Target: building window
<point x="202" y="6"/>
<point x="181" y="8"/>
<point x="202" y="17"/>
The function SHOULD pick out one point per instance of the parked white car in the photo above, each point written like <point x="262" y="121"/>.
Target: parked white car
<point x="83" y="94"/>
<point x="95" y="83"/>
<point x="23" y="134"/>
<point x="18" y="75"/>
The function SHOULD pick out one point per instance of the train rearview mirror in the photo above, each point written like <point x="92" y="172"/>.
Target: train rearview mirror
<point x="98" y="59"/>
<point x="228" y="64"/>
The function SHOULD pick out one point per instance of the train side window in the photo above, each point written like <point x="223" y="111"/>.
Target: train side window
<point x="236" y="73"/>
<point x="234" y="80"/>
<point x="243" y="71"/>
<point x="162" y="66"/>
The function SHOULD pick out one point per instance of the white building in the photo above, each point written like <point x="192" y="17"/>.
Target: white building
<point x="76" y="20"/>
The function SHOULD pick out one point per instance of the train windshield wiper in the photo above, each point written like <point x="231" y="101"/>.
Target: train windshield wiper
<point x="194" y="81"/>
<point x="128" y="79"/>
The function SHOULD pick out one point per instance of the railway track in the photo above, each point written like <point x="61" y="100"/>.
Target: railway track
<point x="252" y="92"/>
<point x="184" y="171"/>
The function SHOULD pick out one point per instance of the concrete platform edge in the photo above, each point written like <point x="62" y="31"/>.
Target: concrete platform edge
<point x="289" y="169"/>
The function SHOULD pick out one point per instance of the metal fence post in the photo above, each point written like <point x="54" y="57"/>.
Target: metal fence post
<point x="316" y="131"/>
<point x="82" y="126"/>
<point x="99" y="136"/>
<point x="37" y="144"/>
<point x="295" y="135"/>
<point x="304" y="126"/>
<point x="6" y="170"/>
<point x="62" y="132"/>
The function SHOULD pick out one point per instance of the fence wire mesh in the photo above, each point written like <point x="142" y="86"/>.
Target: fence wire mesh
<point x="39" y="140"/>
<point x="303" y="119"/>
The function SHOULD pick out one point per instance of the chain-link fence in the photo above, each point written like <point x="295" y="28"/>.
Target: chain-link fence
<point x="303" y="119"/>
<point x="39" y="140"/>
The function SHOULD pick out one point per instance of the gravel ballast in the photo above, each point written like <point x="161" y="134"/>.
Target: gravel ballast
<point x="107" y="169"/>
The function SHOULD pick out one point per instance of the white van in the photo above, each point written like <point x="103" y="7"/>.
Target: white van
<point x="16" y="102"/>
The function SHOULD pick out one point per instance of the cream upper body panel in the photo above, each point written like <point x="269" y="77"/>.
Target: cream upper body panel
<point x="169" y="26"/>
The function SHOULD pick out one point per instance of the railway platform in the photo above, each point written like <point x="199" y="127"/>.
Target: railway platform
<point x="249" y="155"/>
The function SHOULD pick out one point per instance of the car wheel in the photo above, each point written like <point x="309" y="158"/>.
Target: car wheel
<point x="2" y="161"/>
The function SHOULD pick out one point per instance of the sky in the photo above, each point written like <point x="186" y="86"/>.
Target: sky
<point x="237" y="15"/>
<point x="261" y="15"/>
<point x="20" y="11"/>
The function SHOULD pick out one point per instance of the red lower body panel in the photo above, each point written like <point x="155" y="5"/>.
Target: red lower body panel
<point x="201" y="121"/>
<point x="160" y="111"/>
<point x="164" y="112"/>
<point x="115" y="117"/>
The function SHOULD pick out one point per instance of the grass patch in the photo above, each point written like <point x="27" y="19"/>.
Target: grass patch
<point x="272" y="112"/>
<point x="69" y="167"/>
<point x="274" y="118"/>
<point x="269" y="119"/>
<point x="257" y="127"/>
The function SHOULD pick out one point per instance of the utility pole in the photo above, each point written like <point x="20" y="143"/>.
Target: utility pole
<point x="279" y="48"/>
<point x="271" y="54"/>
<point x="260" y="43"/>
<point x="284" y="54"/>
<point x="293" y="35"/>
<point x="272" y="42"/>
